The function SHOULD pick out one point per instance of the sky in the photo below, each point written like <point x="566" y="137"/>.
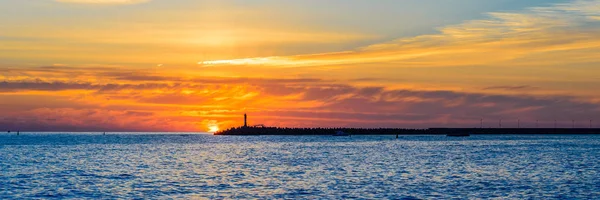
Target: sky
<point x="199" y="65"/>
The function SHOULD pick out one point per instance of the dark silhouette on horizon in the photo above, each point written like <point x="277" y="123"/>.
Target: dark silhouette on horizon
<point x="264" y="130"/>
<point x="399" y="131"/>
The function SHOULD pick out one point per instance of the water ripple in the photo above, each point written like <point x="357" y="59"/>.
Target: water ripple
<point x="138" y="166"/>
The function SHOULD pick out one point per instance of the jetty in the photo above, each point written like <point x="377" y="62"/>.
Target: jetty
<point x="398" y="131"/>
<point x="457" y="132"/>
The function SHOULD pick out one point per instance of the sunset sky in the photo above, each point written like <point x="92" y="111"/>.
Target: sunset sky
<point x="199" y="65"/>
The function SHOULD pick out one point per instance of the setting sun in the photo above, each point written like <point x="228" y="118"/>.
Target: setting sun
<point x="213" y="128"/>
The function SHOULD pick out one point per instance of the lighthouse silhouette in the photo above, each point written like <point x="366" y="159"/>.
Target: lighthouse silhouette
<point x="245" y="120"/>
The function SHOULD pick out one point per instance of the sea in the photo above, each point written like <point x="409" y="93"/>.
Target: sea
<point x="203" y="166"/>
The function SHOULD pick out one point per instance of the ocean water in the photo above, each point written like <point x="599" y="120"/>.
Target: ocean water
<point x="195" y="166"/>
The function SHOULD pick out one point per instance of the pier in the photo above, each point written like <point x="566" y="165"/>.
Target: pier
<point x="264" y="130"/>
<point x="397" y="131"/>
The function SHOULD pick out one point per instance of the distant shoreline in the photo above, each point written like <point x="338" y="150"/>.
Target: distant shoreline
<point x="399" y="131"/>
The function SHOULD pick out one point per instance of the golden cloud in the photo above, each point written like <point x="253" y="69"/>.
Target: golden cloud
<point x="104" y="1"/>
<point x="502" y="39"/>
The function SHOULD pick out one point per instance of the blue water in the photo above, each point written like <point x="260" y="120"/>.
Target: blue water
<point x="150" y="166"/>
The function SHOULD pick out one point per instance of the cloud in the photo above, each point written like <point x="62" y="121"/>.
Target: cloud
<point x="103" y="1"/>
<point x="86" y="119"/>
<point x="183" y="105"/>
<point x="518" y="38"/>
<point x="548" y="52"/>
<point x="508" y="87"/>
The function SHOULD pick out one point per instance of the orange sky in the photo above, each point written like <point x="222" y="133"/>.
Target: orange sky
<point x="115" y="65"/>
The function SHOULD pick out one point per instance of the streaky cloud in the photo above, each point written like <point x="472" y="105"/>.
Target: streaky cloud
<point x="513" y="38"/>
<point x="104" y="1"/>
<point x="508" y="87"/>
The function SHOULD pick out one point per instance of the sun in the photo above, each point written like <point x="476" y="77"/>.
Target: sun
<point x="213" y="128"/>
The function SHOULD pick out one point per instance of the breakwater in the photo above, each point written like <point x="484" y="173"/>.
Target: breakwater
<point x="396" y="131"/>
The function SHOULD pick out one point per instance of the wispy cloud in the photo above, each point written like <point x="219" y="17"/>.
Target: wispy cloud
<point x="508" y="87"/>
<point x="515" y="38"/>
<point x="103" y="1"/>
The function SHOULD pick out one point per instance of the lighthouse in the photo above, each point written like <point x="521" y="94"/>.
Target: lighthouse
<point x="245" y="120"/>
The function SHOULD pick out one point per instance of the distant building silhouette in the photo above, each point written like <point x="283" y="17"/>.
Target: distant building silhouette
<point x="245" y="120"/>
